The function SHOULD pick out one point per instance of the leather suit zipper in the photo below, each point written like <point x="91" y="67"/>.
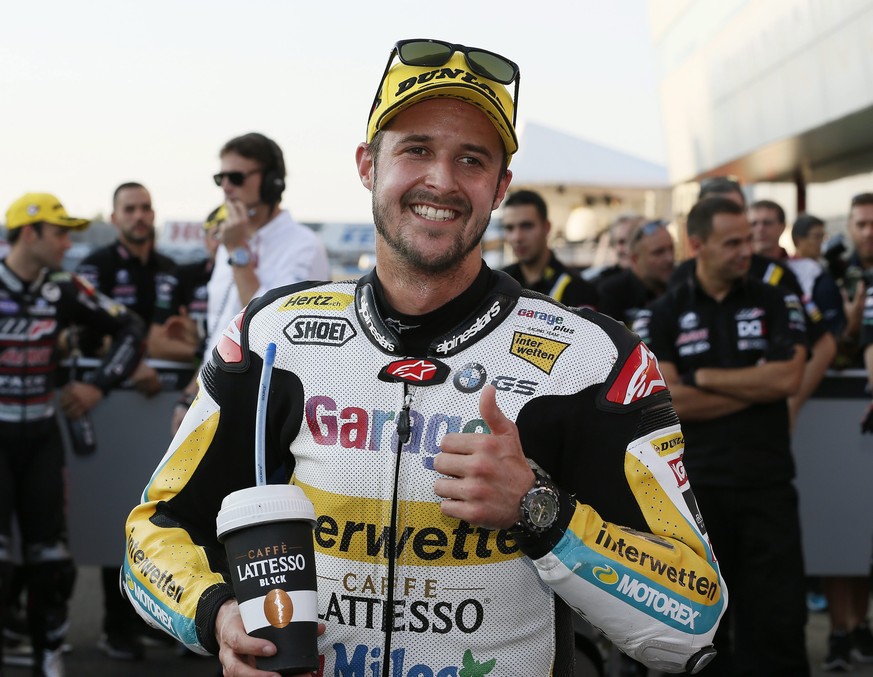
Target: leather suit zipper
<point x="404" y="425"/>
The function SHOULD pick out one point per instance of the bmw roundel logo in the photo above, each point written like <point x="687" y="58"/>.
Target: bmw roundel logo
<point x="470" y="378"/>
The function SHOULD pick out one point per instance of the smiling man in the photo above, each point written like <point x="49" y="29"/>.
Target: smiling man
<point x="426" y="422"/>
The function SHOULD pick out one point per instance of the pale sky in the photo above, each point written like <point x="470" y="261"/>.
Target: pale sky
<point x="98" y="92"/>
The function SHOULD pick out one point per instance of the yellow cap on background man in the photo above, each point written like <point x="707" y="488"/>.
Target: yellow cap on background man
<point x="406" y="85"/>
<point x="216" y="217"/>
<point x="41" y="208"/>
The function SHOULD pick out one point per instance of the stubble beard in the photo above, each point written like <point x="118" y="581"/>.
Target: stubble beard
<point x="414" y="259"/>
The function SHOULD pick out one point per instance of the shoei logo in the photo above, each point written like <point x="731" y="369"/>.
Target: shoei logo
<point x="320" y="301"/>
<point x="315" y="330"/>
<point x="606" y="575"/>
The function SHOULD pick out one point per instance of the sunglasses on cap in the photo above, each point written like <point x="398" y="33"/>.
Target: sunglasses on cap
<point x="235" y="178"/>
<point x="647" y="229"/>
<point x="426" y="53"/>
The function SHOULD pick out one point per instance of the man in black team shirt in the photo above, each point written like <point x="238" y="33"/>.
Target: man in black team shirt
<point x="526" y="227"/>
<point x="623" y="295"/>
<point x="823" y="346"/>
<point x="732" y="351"/>
<point x="133" y="274"/>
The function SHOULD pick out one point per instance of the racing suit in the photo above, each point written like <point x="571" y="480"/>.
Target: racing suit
<point x="31" y="452"/>
<point x="403" y="589"/>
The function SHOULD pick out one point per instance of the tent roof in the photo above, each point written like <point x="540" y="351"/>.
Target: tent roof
<point x="547" y="156"/>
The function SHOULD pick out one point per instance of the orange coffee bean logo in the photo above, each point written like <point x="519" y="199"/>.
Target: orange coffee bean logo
<point x="278" y="608"/>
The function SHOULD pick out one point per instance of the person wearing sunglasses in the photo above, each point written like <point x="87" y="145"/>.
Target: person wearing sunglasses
<point x="526" y="228"/>
<point x="441" y="550"/>
<point x="261" y="246"/>
<point x="623" y="295"/>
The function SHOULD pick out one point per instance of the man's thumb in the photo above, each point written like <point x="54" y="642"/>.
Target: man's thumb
<point x="491" y="414"/>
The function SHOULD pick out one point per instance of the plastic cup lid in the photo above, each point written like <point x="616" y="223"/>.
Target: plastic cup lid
<point x="260" y="505"/>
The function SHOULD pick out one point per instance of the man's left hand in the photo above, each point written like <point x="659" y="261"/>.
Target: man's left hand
<point x="488" y="474"/>
<point x="77" y="398"/>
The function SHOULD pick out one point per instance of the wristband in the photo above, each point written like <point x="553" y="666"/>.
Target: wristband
<point x="689" y="378"/>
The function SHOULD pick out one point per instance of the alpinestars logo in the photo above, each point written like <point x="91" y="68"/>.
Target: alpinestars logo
<point x="638" y="378"/>
<point x="364" y="310"/>
<point x="481" y="322"/>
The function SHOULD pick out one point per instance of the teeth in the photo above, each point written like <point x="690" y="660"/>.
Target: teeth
<point x="433" y="214"/>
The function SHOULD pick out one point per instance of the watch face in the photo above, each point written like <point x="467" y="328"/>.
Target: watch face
<point x="542" y="509"/>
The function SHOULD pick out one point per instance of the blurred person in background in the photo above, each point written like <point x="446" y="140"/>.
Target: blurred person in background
<point x="135" y="275"/>
<point x="526" y="227"/>
<point x="767" y="219"/>
<point x="732" y="351"/>
<point x="623" y="295"/>
<point x="260" y="245"/>
<point x="619" y="237"/>
<point x="36" y="303"/>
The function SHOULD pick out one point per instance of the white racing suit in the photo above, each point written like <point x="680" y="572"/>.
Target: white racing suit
<point x="403" y="589"/>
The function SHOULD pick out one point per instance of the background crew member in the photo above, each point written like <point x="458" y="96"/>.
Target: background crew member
<point x="732" y="351"/>
<point x="36" y="304"/>
<point x="526" y="228"/>
<point x="133" y="274"/>
<point x="623" y="295"/>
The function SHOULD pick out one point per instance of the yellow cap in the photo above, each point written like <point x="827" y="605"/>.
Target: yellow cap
<point x="41" y="208"/>
<point x="216" y="217"/>
<point x="406" y="85"/>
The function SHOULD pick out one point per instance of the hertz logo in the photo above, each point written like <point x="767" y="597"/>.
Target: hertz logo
<point x="606" y="575"/>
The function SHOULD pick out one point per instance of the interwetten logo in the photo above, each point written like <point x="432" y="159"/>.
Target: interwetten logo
<point x="643" y="561"/>
<point x="538" y="351"/>
<point x="161" y="580"/>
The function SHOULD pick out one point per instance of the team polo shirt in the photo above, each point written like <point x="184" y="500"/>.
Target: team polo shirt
<point x="623" y="296"/>
<point x="150" y="289"/>
<point x="560" y="283"/>
<point x="754" y="322"/>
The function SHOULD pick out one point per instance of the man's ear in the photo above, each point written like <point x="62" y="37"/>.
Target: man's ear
<point x="502" y="187"/>
<point x="695" y="243"/>
<point x="366" y="165"/>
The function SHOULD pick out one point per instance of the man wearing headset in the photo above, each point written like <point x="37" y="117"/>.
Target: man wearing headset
<point x="261" y="245"/>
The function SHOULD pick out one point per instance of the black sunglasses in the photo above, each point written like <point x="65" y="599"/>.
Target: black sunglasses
<point x="428" y="53"/>
<point x="235" y="178"/>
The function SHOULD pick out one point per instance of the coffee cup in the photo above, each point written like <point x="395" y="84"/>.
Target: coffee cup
<point x="267" y="535"/>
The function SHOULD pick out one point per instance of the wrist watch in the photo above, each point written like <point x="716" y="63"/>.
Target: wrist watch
<point x="240" y="257"/>
<point x="540" y="506"/>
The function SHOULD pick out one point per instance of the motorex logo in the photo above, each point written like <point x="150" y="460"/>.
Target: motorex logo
<point x="150" y="605"/>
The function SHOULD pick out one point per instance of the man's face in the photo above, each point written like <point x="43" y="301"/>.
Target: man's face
<point x="727" y="253"/>
<point x="49" y="248"/>
<point x="133" y="216"/>
<point x="434" y="184"/>
<point x="249" y="193"/>
<point x="809" y="247"/>
<point x="766" y="230"/>
<point x="525" y="232"/>
<point x="652" y="258"/>
<point x="861" y="230"/>
<point x="619" y="240"/>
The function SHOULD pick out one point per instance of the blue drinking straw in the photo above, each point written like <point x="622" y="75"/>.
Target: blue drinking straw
<point x="261" y="417"/>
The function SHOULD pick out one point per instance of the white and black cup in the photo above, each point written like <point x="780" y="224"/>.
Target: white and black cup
<point x="267" y="535"/>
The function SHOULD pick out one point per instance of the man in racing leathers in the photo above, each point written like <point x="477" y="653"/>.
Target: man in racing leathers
<point x="440" y="550"/>
<point x="36" y="304"/>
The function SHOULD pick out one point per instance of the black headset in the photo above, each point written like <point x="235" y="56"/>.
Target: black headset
<point x="273" y="178"/>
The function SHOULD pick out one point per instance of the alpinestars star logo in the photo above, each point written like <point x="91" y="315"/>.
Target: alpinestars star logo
<point x="419" y="372"/>
<point x="638" y="378"/>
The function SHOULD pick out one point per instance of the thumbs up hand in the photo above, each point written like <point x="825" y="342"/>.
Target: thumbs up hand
<point x="487" y="474"/>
